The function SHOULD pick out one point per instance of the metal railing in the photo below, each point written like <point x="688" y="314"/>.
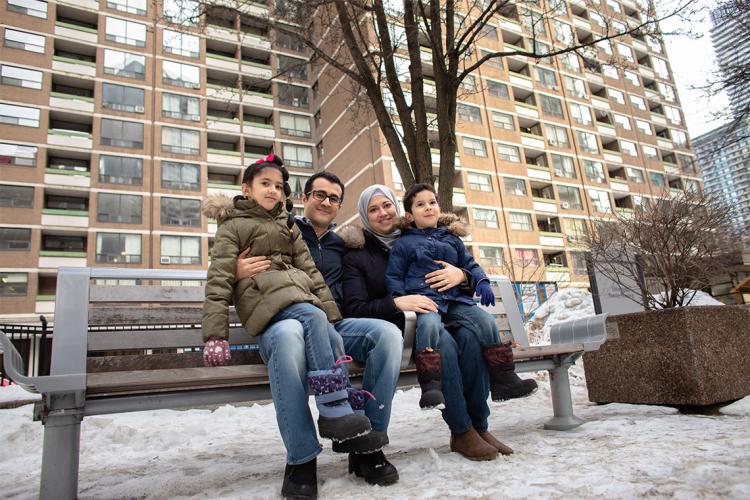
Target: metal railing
<point x="32" y="343"/>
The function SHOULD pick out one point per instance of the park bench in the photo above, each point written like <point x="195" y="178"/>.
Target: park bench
<point x="137" y="347"/>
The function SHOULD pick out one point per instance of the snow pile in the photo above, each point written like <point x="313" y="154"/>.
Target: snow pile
<point x="564" y="305"/>
<point x="235" y="452"/>
<point x="699" y="299"/>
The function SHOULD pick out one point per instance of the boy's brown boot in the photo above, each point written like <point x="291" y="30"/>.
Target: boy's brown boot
<point x="472" y="446"/>
<point x="493" y="441"/>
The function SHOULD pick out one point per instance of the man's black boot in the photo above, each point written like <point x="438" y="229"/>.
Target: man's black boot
<point x="373" y="467"/>
<point x="301" y="481"/>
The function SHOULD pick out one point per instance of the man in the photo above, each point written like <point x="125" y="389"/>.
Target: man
<point x="376" y="343"/>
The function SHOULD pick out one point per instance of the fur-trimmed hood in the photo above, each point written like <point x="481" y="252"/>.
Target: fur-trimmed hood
<point x="218" y="207"/>
<point x="353" y="236"/>
<point x="452" y="222"/>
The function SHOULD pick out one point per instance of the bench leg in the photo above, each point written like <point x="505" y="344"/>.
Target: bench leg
<point x="60" y="456"/>
<point x="562" y="402"/>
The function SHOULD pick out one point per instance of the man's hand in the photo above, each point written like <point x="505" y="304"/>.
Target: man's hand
<point x="416" y="303"/>
<point x="216" y="352"/>
<point x="249" y="267"/>
<point x="445" y="278"/>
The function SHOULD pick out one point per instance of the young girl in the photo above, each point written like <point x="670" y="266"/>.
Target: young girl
<point x="292" y="288"/>
<point x="434" y="237"/>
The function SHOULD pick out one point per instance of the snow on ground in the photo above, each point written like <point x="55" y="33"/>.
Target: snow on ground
<point x="13" y="393"/>
<point x="622" y="451"/>
<point x="699" y="299"/>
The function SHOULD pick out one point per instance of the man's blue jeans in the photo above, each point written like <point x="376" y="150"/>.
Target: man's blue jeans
<point x="378" y="345"/>
<point x="282" y="347"/>
<point x="466" y="383"/>
<point x="478" y="321"/>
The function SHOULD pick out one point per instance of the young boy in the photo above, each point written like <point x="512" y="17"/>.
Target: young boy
<point x="427" y="237"/>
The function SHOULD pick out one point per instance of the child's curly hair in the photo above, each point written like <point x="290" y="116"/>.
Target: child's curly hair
<point x="272" y="161"/>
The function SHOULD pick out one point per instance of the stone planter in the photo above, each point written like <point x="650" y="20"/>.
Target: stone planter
<point x="684" y="356"/>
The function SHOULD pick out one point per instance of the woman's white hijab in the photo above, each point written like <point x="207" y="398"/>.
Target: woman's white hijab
<point x="364" y="200"/>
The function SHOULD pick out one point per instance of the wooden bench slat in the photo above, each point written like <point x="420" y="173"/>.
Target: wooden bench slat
<point x="144" y="293"/>
<point x="159" y="339"/>
<point x="134" y="315"/>
<point x="156" y="361"/>
<point x="139" y="381"/>
<point x="545" y="351"/>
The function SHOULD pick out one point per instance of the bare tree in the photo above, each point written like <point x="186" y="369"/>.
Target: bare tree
<point x="663" y="251"/>
<point x="385" y="49"/>
<point x="526" y="274"/>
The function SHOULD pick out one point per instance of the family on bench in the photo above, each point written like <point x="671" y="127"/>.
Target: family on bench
<point x="290" y="279"/>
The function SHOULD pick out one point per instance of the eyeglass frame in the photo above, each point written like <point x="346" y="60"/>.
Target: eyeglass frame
<point x="333" y="199"/>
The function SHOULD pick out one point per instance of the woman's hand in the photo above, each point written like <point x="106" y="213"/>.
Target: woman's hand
<point x="445" y="278"/>
<point x="249" y="267"/>
<point x="416" y="303"/>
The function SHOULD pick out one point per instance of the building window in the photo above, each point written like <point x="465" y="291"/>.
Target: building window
<point x="469" y="113"/>
<point x="498" y="89"/>
<point x="587" y="142"/>
<point x="570" y="62"/>
<point x="120" y="170"/>
<point x="616" y="96"/>
<point x="578" y="259"/>
<point x="289" y="42"/>
<point x="25" y="41"/>
<point x="520" y="221"/>
<point x="660" y="67"/>
<point x="14" y="239"/>
<point x="503" y="120"/>
<point x="175" y="175"/>
<point x="183" y="250"/>
<point x="508" y="153"/>
<point x="183" y="12"/>
<point x="491" y="256"/>
<point x="57" y="243"/>
<point x="16" y="155"/>
<point x="14" y="284"/>
<point x="628" y="148"/>
<point x="480" y="182"/>
<point x="19" y="115"/>
<point x="494" y="62"/>
<point x="667" y="92"/>
<point x="181" y="75"/>
<point x="121" y="208"/>
<point x="570" y="197"/>
<point x="575" y="230"/>
<point x="296" y="125"/>
<point x="625" y="52"/>
<point x="485" y="218"/>
<point x="673" y="115"/>
<point x="69" y="164"/>
<point x="124" y="64"/>
<point x="594" y="171"/>
<point x="297" y="156"/>
<point x="181" y="44"/>
<point x="563" y="166"/>
<point x="293" y="95"/>
<point x="563" y="32"/>
<point x="127" y="32"/>
<point x="293" y="67"/>
<point x="557" y="136"/>
<point x="657" y="179"/>
<point x="474" y="147"/>
<point x="180" y="141"/>
<point x="638" y="102"/>
<point x="60" y="202"/>
<point x="181" y="107"/>
<point x="33" y="8"/>
<point x="632" y="78"/>
<point x="116" y="248"/>
<point x="180" y="212"/>
<point x="580" y="114"/>
<point x="644" y="127"/>
<point x="622" y="121"/>
<point x="20" y="77"/>
<point x="122" y="98"/>
<point x="527" y="257"/>
<point x="610" y="71"/>
<point x="122" y="134"/>
<point x="600" y="200"/>
<point x="635" y="175"/>
<point x="575" y="87"/>
<point x="551" y="106"/>
<point x="516" y="187"/>
<point x="546" y="78"/>
<point x="297" y="184"/>
<point x="650" y="152"/>
<point x="137" y="7"/>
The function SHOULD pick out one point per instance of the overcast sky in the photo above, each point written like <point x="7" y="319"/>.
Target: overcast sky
<point x="693" y="63"/>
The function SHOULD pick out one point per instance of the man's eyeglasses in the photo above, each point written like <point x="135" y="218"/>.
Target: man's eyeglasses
<point x="322" y="195"/>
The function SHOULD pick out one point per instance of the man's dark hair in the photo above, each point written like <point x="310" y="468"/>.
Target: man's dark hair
<point x="323" y="175"/>
<point x="414" y="191"/>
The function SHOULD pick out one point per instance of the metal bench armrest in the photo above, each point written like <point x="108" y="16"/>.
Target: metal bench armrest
<point x="410" y="332"/>
<point x="591" y="331"/>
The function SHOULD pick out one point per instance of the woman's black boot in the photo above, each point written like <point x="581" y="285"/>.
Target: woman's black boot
<point x="301" y="481"/>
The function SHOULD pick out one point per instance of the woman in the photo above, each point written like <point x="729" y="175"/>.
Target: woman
<point x="464" y="373"/>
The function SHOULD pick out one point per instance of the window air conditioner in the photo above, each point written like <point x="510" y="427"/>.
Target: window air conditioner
<point x="165" y="259"/>
<point x="565" y="204"/>
<point x="139" y="109"/>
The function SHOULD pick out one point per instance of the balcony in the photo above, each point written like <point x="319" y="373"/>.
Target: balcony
<point x="221" y="62"/>
<point x="45" y="304"/>
<point x="600" y="102"/>
<point x="664" y="143"/>
<point x="61" y="217"/>
<point x="620" y="185"/>
<point x="77" y="32"/>
<point x="527" y="110"/>
<point x="65" y="177"/>
<point x="605" y="129"/>
<point x="532" y="140"/>
<point x="220" y="124"/>
<point x="61" y="100"/>
<point x="613" y="157"/>
<point x="557" y="273"/>
<point x="260" y="130"/>
<point x="257" y="99"/>
<point x="225" y="189"/>
<point x="51" y="259"/>
<point x="538" y="172"/>
<point x="91" y="5"/>
<point x="551" y="239"/>
<point x="658" y="119"/>
<point x="256" y="70"/>
<point x="253" y="9"/>
<point x="257" y="42"/>
<point x="220" y="33"/>
<point x="225" y="157"/>
<point x="546" y="205"/>
<point x="73" y="66"/>
<point x="521" y="80"/>
<point x="69" y="138"/>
